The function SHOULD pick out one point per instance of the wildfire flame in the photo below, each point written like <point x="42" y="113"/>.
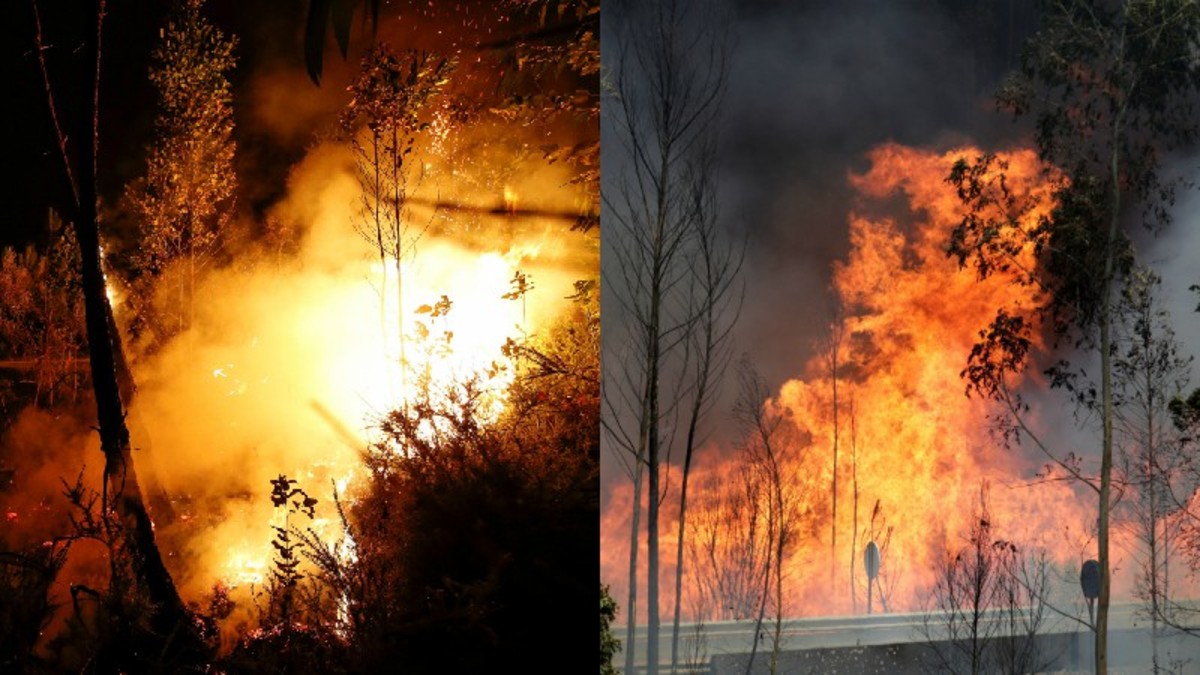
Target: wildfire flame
<point x="909" y="440"/>
<point x="289" y="364"/>
<point x="242" y="567"/>
<point x="510" y="199"/>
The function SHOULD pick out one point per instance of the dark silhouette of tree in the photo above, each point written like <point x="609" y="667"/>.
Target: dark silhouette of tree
<point x="383" y="121"/>
<point x="26" y="579"/>
<point x="322" y="14"/>
<point x="667" y="84"/>
<point x="1110" y="87"/>
<point x="986" y="604"/>
<point x="467" y="536"/>
<point x="168" y="619"/>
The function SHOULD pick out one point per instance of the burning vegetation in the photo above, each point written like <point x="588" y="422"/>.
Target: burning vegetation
<point x="913" y="447"/>
<point x="992" y="420"/>
<point x="910" y="441"/>
<point x="364" y="416"/>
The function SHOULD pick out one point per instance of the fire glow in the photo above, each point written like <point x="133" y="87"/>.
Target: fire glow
<point x="909" y="440"/>
<point x="289" y="365"/>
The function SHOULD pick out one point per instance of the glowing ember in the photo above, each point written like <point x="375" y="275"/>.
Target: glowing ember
<point x="510" y="199"/>
<point x="242" y="567"/>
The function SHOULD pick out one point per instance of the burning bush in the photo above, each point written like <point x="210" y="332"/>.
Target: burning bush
<point x="464" y="544"/>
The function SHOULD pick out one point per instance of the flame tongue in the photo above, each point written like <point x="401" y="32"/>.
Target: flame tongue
<point x="909" y="440"/>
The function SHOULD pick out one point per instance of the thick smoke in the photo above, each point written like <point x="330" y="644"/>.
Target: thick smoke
<point x="813" y="87"/>
<point x="812" y="90"/>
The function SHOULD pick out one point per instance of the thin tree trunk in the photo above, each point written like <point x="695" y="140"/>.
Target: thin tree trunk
<point x="1107" y="397"/>
<point x="833" y="522"/>
<point x="631" y="605"/>
<point x="1151" y="484"/>
<point x="652" y="627"/>
<point x="703" y="384"/>
<point x="766" y="589"/>
<point x="1105" y="490"/>
<point x="779" y="544"/>
<point x="687" y="466"/>
<point x="651" y="410"/>
<point x="854" y="534"/>
<point x="376" y="191"/>
<point x="398" y="237"/>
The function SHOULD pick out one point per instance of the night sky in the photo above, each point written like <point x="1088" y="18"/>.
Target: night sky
<point x="278" y="111"/>
<point x="269" y="38"/>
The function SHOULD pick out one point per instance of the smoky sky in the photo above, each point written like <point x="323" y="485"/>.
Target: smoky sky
<point x="812" y="87"/>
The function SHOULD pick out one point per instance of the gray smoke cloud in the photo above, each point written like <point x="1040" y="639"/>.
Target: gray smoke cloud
<point x="812" y="87"/>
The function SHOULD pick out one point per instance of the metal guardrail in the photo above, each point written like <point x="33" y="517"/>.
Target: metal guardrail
<point x="728" y="638"/>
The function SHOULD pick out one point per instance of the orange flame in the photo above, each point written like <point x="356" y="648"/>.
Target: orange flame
<point x="909" y="439"/>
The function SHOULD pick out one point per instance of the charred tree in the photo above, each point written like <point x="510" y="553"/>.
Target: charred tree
<point x="122" y="492"/>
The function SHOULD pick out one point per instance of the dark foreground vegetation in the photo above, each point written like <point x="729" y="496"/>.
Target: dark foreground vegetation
<point x="467" y="542"/>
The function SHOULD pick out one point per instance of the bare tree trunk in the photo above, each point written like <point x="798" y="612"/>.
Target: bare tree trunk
<point x="687" y="466"/>
<point x="1106" y="414"/>
<point x="631" y="605"/>
<point x="1151" y="485"/>
<point x="652" y="495"/>
<point x="780" y="543"/>
<point x="398" y="197"/>
<point x="372" y="202"/>
<point x="766" y="589"/>
<point x="834" y="346"/>
<point x="854" y="480"/>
